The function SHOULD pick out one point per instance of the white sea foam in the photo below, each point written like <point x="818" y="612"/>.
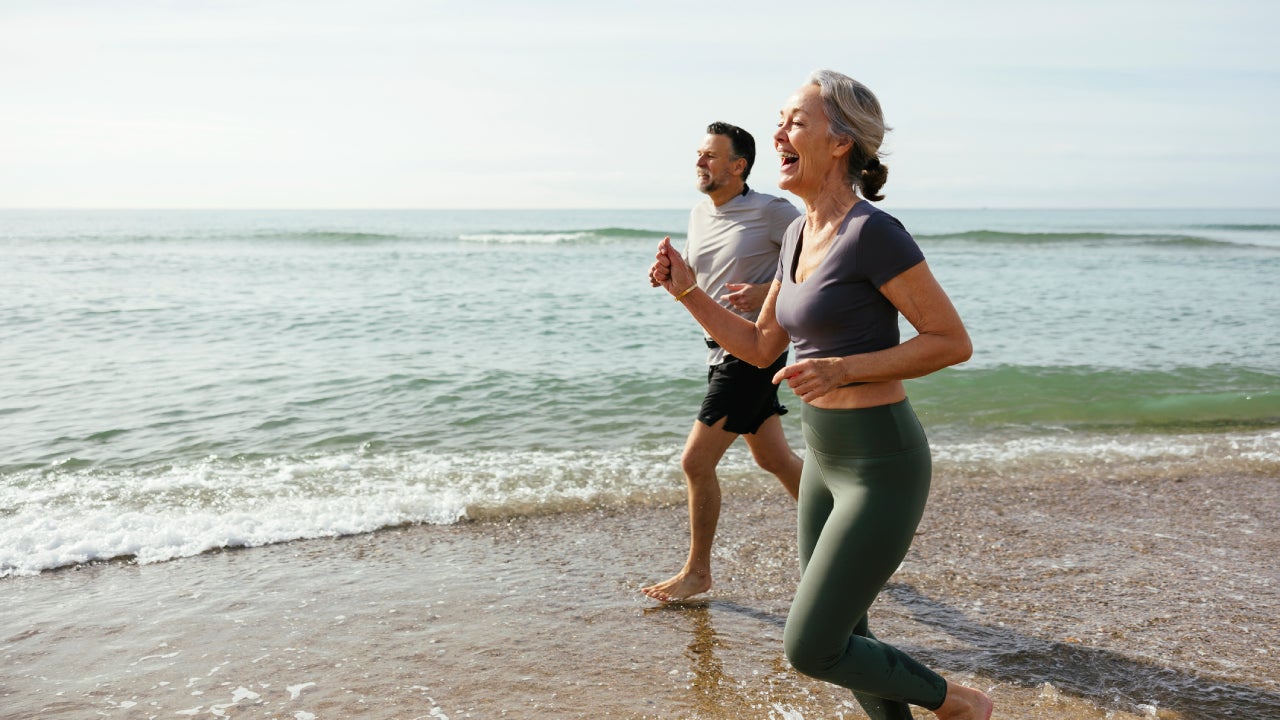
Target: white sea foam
<point x="57" y="517"/>
<point x="1262" y="447"/>
<point x="63" y="518"/>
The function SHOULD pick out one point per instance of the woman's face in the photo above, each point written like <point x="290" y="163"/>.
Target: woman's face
<point x="804" y="142"/>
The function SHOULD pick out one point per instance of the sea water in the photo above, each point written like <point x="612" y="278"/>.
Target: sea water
<point x="177" y="381"/>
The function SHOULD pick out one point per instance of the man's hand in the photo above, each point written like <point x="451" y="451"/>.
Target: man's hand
<point x="746" y="297"/>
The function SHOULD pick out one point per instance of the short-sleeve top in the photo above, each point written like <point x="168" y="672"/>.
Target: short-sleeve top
<point x="838" y="310"/>
<point x="737" y="242"/>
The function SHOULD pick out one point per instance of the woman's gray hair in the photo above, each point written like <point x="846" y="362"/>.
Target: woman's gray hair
<point x="854" y="112"/>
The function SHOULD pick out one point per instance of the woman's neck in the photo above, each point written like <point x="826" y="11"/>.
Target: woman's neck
<point x="829" y="206"/>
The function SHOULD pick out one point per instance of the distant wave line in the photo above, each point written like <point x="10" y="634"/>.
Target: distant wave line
<point x="565" y="236"/>
<point x="356" y="238"/>
<point x="1051" y="238"/>
<point x="333" y="236"/>
<point x="260" y="235"/>
<point x="1247" y="227"/>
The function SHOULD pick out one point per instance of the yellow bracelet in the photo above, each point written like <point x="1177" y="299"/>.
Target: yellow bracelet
<point x="688" y="290"/>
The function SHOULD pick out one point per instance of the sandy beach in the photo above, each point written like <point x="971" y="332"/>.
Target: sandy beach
<point x="1150" y="597"/>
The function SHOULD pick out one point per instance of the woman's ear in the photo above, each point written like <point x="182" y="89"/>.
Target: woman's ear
<point x="843" y="146"/>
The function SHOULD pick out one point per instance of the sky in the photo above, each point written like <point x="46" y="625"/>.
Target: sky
<point x="559" y="104"/>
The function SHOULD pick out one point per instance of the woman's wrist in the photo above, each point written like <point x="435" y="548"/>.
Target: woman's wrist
<point x="846" y="370"/>
<point x="687" y="290"/>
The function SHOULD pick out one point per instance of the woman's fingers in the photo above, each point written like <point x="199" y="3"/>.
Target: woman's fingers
<point x="805" y="380"/>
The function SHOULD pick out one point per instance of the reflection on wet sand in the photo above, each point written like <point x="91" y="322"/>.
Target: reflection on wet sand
<point x="714" y="692"/>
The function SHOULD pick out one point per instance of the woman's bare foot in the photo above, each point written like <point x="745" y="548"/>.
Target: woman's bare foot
<point x="964" y="703"/>
<point x="683" y="586"/>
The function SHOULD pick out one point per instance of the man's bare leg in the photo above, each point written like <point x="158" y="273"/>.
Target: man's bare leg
<point x="772" y="453"/>
<point x="702" y="452"/>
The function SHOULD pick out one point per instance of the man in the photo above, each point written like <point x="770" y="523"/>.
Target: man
<point x="733" y="243"/>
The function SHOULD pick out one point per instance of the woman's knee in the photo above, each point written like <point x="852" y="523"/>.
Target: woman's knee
<point x="815" y="659"/>
<point x="815" y="665"/>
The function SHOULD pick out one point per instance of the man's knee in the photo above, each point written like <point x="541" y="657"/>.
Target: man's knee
<point x="703" y="450"/>
<point x="699" y="467"/>
<point x="779" y="461"/>
<point x="770" y="450"/>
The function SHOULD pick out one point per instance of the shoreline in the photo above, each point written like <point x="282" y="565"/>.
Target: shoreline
<point x="1065" y="597"/>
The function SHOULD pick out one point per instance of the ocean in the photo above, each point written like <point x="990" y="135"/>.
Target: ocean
<point x="442" y="450"/>
<point x="179" y="381"/>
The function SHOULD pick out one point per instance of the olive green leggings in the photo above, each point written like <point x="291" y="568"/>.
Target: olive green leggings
<point x="862" y="493"/>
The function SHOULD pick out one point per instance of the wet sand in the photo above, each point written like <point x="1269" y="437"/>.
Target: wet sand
<point x="1067" y="596"/>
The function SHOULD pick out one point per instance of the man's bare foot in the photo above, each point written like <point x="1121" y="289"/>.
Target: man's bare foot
<point x="964" y="703"/>
<point x="683" y="586"/>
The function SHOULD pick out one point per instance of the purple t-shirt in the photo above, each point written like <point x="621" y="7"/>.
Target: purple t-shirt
<point x="838" y="310"/>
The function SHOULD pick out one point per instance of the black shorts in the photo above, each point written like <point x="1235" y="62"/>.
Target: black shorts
<point x="741" y="393"/>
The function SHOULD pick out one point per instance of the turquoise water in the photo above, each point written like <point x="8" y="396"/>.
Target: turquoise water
<point x="176" y="381"/>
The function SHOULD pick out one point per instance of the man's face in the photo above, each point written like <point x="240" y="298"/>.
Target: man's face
<point x="716" y="164"/>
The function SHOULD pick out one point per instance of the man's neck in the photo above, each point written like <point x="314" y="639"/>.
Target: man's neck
<point x="727" y="192"/>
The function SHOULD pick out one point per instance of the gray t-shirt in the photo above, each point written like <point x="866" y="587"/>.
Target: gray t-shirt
<point x="737" y="242"/>
<point x="838" y="310"/>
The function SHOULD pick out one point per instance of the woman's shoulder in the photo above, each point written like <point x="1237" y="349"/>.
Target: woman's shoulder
<point x="884" y="247"/>
<point x="875" y="222"/>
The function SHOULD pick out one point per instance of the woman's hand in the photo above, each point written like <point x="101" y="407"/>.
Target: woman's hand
<point x="759" y="343"/>
<point x="669" y="270"/>
<point x="811" y="379"/>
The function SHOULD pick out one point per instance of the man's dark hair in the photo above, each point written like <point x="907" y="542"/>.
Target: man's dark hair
<point x="743" y="145"/>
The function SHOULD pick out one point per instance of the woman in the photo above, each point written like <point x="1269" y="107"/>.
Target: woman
<point x="846" y="270"/>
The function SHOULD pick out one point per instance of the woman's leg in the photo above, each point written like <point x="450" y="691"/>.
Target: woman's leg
<point x="857" y="517"/>
<point x="813" y="504"/>
<point x="816" y="502"/>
